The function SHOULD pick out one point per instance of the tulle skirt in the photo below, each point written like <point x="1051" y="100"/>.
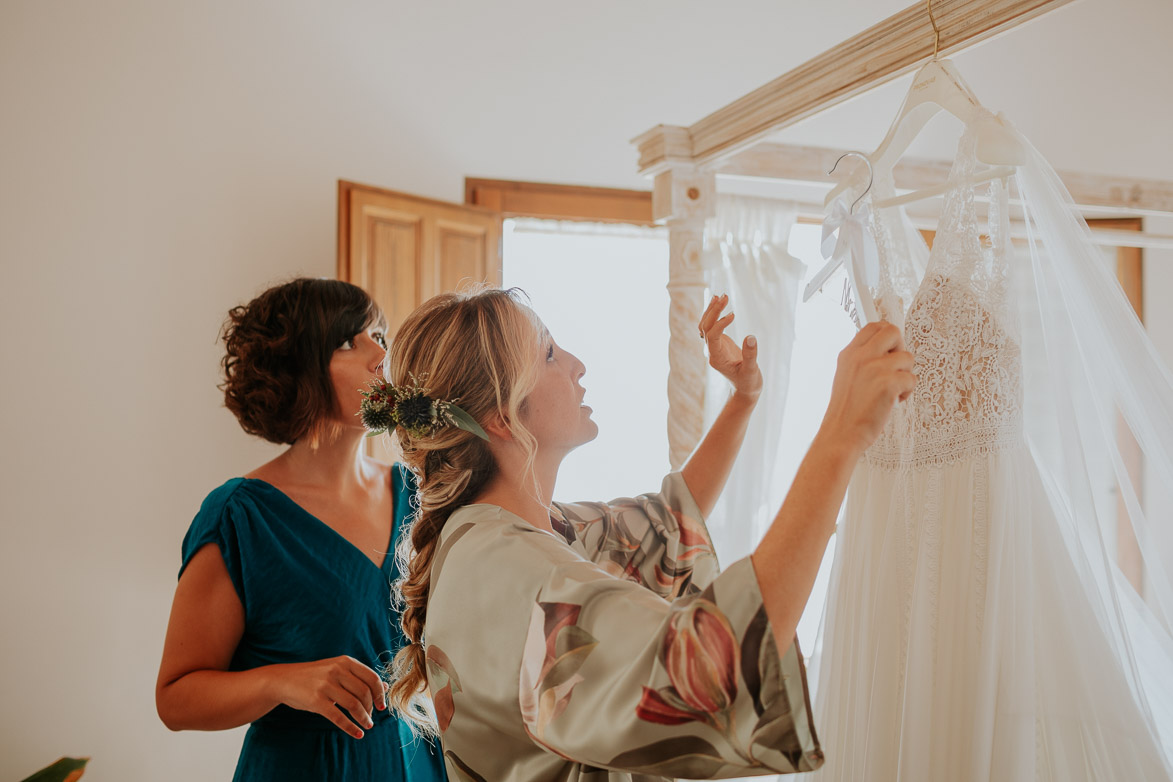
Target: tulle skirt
<point x="970" y="635"/>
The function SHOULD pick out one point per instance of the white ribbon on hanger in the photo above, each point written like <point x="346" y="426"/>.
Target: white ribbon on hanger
<point x="847" y="238"/>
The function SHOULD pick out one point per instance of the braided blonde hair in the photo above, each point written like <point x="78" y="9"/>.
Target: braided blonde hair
<point x="481" y="348"/>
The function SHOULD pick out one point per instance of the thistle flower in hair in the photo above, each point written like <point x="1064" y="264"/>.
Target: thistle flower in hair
<point x="376" y="408"/>
<point x="386" y="406"/>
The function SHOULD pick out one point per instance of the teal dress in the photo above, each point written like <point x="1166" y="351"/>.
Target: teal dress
<point x="309" y="594"/>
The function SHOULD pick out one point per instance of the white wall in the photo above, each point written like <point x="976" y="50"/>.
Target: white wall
<point x="160" y="162"/>
<point x="157" y="166"/>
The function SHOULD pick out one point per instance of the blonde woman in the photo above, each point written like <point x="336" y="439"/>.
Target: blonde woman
<point x="599" y="641"/>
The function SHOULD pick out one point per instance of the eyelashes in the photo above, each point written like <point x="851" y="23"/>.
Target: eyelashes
<point x="379" y="337"/>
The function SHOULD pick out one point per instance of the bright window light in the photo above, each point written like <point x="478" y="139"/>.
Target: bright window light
<point x="601" y="291"/>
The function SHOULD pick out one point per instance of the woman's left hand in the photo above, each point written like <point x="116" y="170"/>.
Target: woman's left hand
<point x="738" y="365"/>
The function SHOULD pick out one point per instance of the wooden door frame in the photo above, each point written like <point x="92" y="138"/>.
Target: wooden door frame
<point x="345" y="188"/>
<point x="513" y="198"/>
<point x="1130" y="273"/>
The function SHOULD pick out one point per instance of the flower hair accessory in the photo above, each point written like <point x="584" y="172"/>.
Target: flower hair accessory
<point x="386" y="406"/>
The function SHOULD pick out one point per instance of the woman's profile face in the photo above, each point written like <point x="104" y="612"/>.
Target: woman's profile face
<point x="554" y="411"/>
<point x="352" y="366"/>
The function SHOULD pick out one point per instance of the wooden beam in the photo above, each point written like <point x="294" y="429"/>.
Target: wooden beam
<point x="791" y="162"/>
<point x="879" y="54"/>
<point x="663" y="146"/>
<point x="799" y="163"/>
<point x="560" y="202"/>
<point x="1120" y="194"/>
<point x="812" y="214"/>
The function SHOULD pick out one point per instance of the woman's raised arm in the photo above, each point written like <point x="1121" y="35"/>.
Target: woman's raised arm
<point x="708" y="468"/>
<point x="874" y="373"/>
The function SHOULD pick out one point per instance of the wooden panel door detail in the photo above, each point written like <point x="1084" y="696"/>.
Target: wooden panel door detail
<point x="464" y="248"/>
<point x="404" y="249"/>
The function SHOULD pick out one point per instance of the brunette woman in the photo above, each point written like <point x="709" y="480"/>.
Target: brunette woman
<point x="282" y="615"/>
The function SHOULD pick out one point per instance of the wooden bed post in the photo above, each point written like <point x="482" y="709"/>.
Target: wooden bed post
<point x="683" y="198"/>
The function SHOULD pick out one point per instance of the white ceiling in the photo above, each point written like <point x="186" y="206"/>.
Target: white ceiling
<point x="1089" y="84"/>
<point x="430" y="91"/>
<point x="531" y="90"/>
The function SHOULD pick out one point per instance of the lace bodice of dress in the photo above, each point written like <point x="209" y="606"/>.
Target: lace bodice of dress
<point x="968" y="397"/>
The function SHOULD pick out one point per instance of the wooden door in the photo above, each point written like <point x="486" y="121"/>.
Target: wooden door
<point x="404" y="249"/>
<point x="1130" y="272"/>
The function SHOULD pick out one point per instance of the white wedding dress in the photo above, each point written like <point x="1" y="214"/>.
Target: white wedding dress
<point x="975" y="629"/>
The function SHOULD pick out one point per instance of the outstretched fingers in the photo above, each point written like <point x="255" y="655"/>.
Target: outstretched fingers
<point x="719" y="327"/>
<point x="711" y="314"/>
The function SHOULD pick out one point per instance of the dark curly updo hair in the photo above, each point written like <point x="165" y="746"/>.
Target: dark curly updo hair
<point x="279" y="345"/>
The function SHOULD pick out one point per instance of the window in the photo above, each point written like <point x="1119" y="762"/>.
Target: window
<point x="600" y="289"/>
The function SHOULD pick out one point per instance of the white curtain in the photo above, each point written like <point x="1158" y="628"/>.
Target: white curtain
<point x="745" y="256"/>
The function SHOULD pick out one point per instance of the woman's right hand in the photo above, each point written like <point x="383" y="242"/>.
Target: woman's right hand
<point x="874" y="372"/>
<point x="197" y="690"/>
<point x="324" y="686"/>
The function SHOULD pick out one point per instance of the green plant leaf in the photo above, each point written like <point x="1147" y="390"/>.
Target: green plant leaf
<point x="462" y="420"/>
<point x="64" y="770"/>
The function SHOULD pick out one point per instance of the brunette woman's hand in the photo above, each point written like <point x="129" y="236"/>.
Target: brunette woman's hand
<point x="874" y="372"/>
<point x="324" y="686"/>
<point x="738" y="365"/>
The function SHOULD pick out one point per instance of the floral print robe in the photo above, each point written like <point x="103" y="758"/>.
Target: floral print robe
<point x="612" y="651"/>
